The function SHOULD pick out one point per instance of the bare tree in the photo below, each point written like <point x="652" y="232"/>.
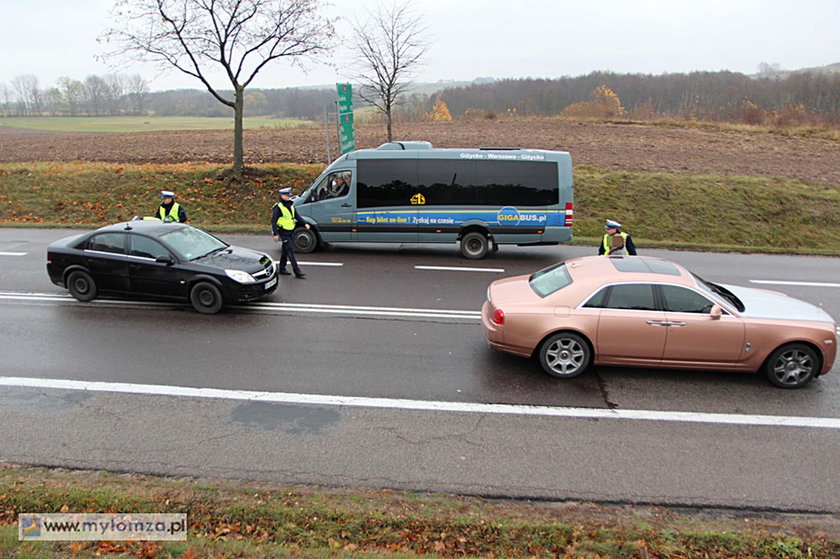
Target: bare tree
<point x="239" y="37"/>
<point x="96" y="92"/>
<point x="114" y="93"/>
<point x="138" y="92"/>
<point x="72" y="93"/>
<point x="388" y="49"/>
<point x="29" y="94"/>
<point x="6" y="95"/>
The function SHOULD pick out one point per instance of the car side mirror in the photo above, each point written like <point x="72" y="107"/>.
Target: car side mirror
<point x="165" y="259"/>
<point x="716" y="312"/>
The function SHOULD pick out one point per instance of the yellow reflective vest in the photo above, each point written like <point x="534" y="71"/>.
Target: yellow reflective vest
<point x="608" y="242"/>
<point x="286" y="220"/>
<point x="174" y="213"/>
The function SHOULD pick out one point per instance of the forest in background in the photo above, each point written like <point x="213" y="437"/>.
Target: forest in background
<point x="810" y="97"/>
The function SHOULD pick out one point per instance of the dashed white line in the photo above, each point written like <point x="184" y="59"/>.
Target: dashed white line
<point x="461" y="269"/>
<point x="13" y="253"/>
<point x="798" y="283"/>
<point x="426" y="405"/>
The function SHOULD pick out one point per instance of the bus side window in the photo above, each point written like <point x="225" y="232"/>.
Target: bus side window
<point x="335" y="185"/>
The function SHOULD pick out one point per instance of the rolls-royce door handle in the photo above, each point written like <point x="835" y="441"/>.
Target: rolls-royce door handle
<point x="664" y="323"/>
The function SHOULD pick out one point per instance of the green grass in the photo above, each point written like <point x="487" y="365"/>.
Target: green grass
<point x="663" y="210"/>
<point x="271" y="520"/>
<point x="143" y="123"/>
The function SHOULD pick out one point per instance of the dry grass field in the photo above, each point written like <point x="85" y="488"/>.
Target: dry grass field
<point x="614" y="147"/>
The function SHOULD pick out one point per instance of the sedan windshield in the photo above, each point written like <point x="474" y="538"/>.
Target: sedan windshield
<point x="720" y="291"/>
<point x="551" y="279"/>
<point x="193" y="243"/>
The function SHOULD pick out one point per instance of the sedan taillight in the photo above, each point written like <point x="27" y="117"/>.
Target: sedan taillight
<point x="498" y="317"/>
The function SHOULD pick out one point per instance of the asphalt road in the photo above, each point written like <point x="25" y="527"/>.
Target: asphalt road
<point x="373" y="372"/>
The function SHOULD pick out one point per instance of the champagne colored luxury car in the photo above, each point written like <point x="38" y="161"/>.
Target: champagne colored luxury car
<point x="638" y="311"/>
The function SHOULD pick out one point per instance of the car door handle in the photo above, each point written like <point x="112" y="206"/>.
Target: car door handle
<point x="677" y="323"/>
<point x="657" y="322"/>
<point x="345" y="205"/>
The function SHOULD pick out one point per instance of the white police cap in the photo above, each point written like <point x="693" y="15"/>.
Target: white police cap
<point x="167" y="194"/>
<point x="612" y="224"/>
<point x="286" y="191"/>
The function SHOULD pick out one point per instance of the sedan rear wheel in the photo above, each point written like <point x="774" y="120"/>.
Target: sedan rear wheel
<point x="81" y="286"/>
<point x="792" y="366"/>
<point x="206" y="298"/>
<point x="565" y="355"/>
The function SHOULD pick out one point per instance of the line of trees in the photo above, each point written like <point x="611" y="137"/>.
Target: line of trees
<point x="109" y="95"/>
<point x="721" y="96"/>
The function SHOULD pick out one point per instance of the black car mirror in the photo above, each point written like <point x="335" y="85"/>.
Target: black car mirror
<point x="165" y="259"/>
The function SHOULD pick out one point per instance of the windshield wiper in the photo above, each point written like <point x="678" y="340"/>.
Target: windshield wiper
<point x="217" y="249"/>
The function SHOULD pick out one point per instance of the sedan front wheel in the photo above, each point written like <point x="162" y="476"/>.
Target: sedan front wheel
<point x="792" y="366"/>
<point x="206" y="298"/>
<point x="565" y="355"/>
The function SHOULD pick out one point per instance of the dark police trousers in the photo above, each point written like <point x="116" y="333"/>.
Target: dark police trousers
<point x="288" y="251"/>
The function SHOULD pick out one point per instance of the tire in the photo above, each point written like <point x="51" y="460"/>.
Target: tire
<point x="306" y="240"/>
<point x="82" y="286"/>
<point x="792" y="366"/>
<point x="565" y="355"/>
<point x="206" y="298"/>
<point x="474" y="245"/>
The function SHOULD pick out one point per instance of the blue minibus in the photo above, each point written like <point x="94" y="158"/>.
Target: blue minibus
<point x="411" y="192"/>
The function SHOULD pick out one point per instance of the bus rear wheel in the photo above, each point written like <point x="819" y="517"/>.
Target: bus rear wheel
<point x="474" y="245"/>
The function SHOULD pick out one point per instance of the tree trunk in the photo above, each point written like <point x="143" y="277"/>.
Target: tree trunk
<point x="388" y="121"/>
<point x="238" y="151"/>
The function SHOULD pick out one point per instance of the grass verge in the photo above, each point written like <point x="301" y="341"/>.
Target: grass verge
<point x="668" y="210"/>
<point x="250" y="520"/>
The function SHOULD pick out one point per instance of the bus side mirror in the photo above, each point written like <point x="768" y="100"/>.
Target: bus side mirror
<point x="716" y="312"/>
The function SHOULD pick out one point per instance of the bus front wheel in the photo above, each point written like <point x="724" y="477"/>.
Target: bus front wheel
<point x="474" y="245"/>
<point x="306" y="240"/>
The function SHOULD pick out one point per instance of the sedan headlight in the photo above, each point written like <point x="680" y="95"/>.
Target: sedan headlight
<point x="240" y="276"/>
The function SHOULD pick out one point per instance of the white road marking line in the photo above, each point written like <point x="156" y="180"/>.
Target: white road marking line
<point x="424" y="405"/>
<point x="801" y="283"/>
<point x="461" y="269"/>
<point x="13" y="253"/>
<point x="302" y="263"/>
<point x="266" y="306"/>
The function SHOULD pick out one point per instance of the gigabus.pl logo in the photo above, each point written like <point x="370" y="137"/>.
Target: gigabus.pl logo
<point x="508" y="216"/>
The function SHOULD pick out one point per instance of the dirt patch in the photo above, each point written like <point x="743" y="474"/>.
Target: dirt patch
<point x="607" y="146"/>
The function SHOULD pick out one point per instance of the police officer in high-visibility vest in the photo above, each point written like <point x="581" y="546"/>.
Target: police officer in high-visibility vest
<point x="170" y="210"/>
<point x="283" y="221"/>
<point x="616" y="242"/>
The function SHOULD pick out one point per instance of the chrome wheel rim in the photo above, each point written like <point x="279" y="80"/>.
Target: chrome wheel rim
<point x="565" y="356"/>
<point x="793" y="367"/>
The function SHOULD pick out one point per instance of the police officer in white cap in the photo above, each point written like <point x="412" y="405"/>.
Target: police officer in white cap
<point x="616" y="242"/>
<point x="170" y="210"/>
<point x="283" y="222"/>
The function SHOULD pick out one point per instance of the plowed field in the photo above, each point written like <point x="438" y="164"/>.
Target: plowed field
<point x="607" y="146"/>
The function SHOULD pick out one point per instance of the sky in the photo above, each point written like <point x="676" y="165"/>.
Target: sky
<point x="477" y="38"/>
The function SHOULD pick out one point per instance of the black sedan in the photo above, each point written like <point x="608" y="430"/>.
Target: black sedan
<point x="168" y="260"/>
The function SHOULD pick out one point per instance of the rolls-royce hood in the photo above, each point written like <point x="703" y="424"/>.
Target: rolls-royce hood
<point x="761" y="303"/>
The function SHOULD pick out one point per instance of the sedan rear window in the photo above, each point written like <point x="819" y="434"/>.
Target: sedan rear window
<point x="549" y="280"/>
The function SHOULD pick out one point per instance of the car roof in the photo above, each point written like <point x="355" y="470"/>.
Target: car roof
<point x="607" y="269"/>
<point x="151" y="227"/>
